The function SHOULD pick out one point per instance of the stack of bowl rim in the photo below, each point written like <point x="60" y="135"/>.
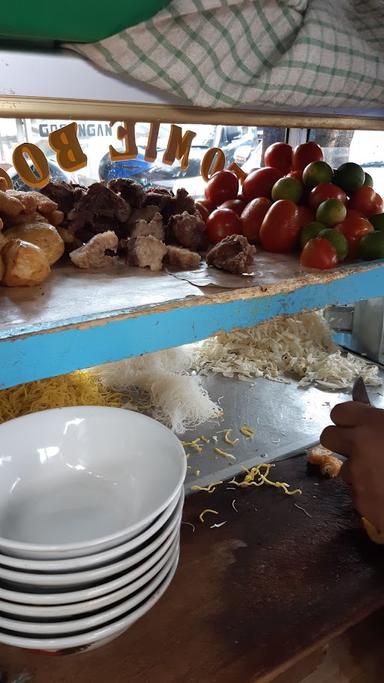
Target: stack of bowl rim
<point x="91" y="503"/>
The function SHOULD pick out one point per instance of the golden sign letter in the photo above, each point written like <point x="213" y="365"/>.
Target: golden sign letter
<point x="126" y="133"/>
<point x="38" y="158"/>
<point x="235" y="168"/>
<point x="178" y="146"/>
<point x="151" y="148"/>
<point x="5" y="181"/>
<point x="212" y="161"/>
<point x="65" y="143"/>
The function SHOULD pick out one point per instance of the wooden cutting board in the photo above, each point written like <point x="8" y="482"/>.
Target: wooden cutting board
<point x="249" y="598"/>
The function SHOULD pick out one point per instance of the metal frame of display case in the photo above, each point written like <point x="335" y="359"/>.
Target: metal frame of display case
<point x="36" y="350"/>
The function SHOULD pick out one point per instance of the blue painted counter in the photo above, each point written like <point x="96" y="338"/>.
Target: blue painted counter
<point x="43" y="350"/>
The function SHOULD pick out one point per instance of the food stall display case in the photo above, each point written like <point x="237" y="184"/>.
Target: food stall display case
<point x="84" y="322"/>
<point x="78" y="320"/>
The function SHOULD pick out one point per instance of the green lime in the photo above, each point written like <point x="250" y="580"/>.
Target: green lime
<point x="371" y="246"/>
<point x="368" y="180"/>
<point x="287" y="188"/>
<point x="331" y="212"/>
<point x="309" y="231"/>
<point x="349" y="177"/>
<point x="338" y="240"/>
<point x="317" y="172"/>
<point x="377" y="221"/>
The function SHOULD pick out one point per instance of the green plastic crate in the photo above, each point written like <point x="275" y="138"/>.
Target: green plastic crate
<point x="80" y="21"/>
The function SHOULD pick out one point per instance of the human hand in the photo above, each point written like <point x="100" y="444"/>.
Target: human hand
<point x="358" y="434"/>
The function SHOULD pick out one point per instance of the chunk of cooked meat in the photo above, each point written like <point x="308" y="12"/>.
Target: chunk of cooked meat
<point x="146" y="252"/>
<point x="153" y="227"/>
<point x="131" y="191"/>
<point x="99" y="206"/>
<point x="157" y="196"/>
<point x="99" y="252"/>
<point x="233" y="254"/>
<point x="65" y="195"/>
<point x="178" y="204"/>
<point x="329" y="464"/>
<point x="145" y="213"/>
<point x="182" y="259"/>
<point x="186" y="229"/>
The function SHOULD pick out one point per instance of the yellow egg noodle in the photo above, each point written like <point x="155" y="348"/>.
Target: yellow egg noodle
<point x="75" y="389"/>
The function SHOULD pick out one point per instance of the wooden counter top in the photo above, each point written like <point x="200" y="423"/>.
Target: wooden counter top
<point x="249" y="599"/>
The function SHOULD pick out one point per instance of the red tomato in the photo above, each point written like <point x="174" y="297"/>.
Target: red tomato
<point x="366" y="200"/>
<point x="353" y="213"/>
<point x="221" y="223"/>
<point x="259" y="183"/>
<point x="325" y="191"/>
<point x="280" y="228"/>
<point x="203" y="209"/>
<point x="296" y="174"/>
<point x="279" y="155"/>
<point x="222" y="186"/>
<point x="319" y="253"/>
<point x="304" y="154"/>
<point x="252" y="217"/>
<point x="305" y="215"/>
<point x="354" y="228"/>
<point x="236" y="205"/>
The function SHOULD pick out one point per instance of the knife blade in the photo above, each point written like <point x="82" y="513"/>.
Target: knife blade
<point x="359" y="391"/>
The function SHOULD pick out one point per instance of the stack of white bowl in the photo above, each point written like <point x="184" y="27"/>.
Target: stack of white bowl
<point x="91" y="501"/>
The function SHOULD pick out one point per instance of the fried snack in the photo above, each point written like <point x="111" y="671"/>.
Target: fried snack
<point x="3" y="184"/>
<point x="42" y="235"/>
<point x="25" y="264"/>
<point x="9" y="205"/>
<point x="146" y="252"/>
<point x="56" y="217"/>
<point x="45" y="205"/>
<point x="27" y="199"/>
<point x="182" y="259"/>
<point x="329" y="464"/>
<point x="23" y="218"/>
<point x="99" y="252"/>
<point x="1" y="264"/>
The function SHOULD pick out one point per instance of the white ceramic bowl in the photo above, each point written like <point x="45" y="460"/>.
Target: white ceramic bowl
<point x="86" y="622"/>
<point x="98" y="559"/>
<point x="38" y="597"/>
<point x="95" y="638"/>
<point x="59" y="612"/>
<point x="73" y="580"/>
<point x="76" y="481"/>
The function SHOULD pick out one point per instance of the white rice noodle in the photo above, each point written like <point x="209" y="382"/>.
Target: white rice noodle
<point x="157" y="384"/>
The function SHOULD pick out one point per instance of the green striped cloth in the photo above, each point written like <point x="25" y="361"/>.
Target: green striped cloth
<point x="226" y="53"/>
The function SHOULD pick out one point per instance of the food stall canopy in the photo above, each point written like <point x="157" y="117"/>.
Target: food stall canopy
<point x="301" y="53"/>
